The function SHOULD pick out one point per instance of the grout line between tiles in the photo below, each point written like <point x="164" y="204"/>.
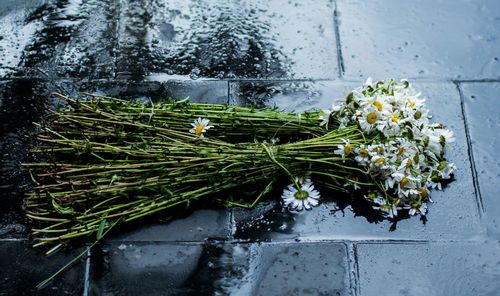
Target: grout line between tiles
<point x="336" y="24"/>
<point x="477" y="189"/>
<point x="270" y="80"/>
<point x="352" y="268"/>
<point x="86" y="275"/>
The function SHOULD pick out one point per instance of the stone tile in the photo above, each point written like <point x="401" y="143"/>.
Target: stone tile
<point x="481" y="107"/>
<point x="227" y="39"/>
<point x="215" y="92"/>
<point x="429" y="269"/>
<point x="151" y="269"/>
<point x="420" y="38"/>
<point x="15" y="32"/>
<point x="302" y="269"/>
<point x="453" y="215"/>
<point x="221" y="269"/>
<point x="198" y="226"/>
<point x="21" y="102"/>
<point x="69" y="39"/>
<point x="24" y="267"/>
<point x="290" y="96"/>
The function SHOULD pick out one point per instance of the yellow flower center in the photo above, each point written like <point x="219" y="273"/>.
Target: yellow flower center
<point x="404" y="182"/>
<point x="394" y="118"/>
<point x="380" y="160"/>
<point x="410" y="102"/>
<point x="347" y="149"/>
<point x="408" y="164"/>
<point x="378" y="105"/>
<point x="363" y="152"/>
<point x="400" y="151"/>
<point x="424" y="193"/>
<point x="371" y="118"/>
<point x="199" y="129"/>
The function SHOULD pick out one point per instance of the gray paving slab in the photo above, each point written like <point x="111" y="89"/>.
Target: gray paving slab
<point x="453" y="215"/>
<point x="199" y="225"/>
<point x="64" y="39"/>
<point x="24" y="267"/>
<point x="215" y="92"/>
<point x="149" y="269"/>
<point x="429" y="269"/>
<point x="436" y="39"/>
<point x="21" y="103"/>
<point x="302" y="269"/>
<point x="481" y="110"/>
<point x="227" y="39"/>
<point x="293" y="96"/>
<point x="222" y="269"/>
<point x="15" y="32"/>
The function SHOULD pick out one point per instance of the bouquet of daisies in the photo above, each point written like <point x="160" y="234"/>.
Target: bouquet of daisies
<point x="406" y="152"/>
<point x="107" y="162"/>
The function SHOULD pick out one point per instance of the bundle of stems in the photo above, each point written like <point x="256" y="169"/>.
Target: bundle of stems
<point x="107" y="162"/>
<point x="111" y="161"/>
<point x="235" y="123"/>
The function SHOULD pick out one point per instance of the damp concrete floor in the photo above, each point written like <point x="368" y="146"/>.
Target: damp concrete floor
<point x="296" y="55"/>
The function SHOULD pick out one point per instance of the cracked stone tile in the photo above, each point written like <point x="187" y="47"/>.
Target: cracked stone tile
<point x="428" y="38"/>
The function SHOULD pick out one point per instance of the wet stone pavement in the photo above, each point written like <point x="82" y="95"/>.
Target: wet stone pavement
<point x="296" y="55"/>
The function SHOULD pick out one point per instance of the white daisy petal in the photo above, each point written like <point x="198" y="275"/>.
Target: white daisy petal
<point x="200" y="126"/>
<point x="305" y="198"/>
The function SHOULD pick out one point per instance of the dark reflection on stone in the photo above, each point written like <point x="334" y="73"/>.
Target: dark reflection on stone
<point x="227" y="42"/>
<point x="223" y="40"/>
<point x="24" y="267"/>
<point x="134" y="59"/>
<point x="72" y="39"/>
<point x="167" y="269"/>
<point x="22" y="102"/>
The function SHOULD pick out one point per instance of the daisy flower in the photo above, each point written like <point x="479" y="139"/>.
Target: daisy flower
<point x="362" y="155"/>
<point x="390" y="210"/>
<point x="298" y="199"/>
<point x="200" y="126"/>
<point x="344" y="150"/>
<point x="445" y="136"/>
<point x="369" y="119"/>
<point x="419" y="208"/>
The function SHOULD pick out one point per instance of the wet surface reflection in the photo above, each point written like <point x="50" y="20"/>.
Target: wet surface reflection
<point x="282" y="53"/>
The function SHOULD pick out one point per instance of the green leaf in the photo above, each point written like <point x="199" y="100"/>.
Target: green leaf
<point x="62" y="210"/>
<point x="100" y="231"/>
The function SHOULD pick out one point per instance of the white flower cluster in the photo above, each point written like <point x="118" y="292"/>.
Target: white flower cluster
<point x="405" y="150"/>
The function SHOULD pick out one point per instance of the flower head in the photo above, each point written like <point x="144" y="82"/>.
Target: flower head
<point x="344" y="150"/>
<point x="298" y="199"/>
<point x="200" y="126"/>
